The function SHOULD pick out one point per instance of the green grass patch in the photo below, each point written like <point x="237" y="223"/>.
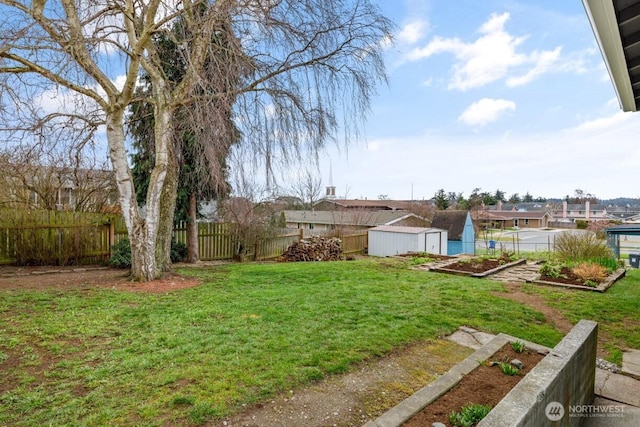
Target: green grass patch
<point x="615" y="310"/>
<point x="104" y="357"/>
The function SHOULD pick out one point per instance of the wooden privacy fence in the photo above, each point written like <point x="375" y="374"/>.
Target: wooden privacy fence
<point x="53" y="237"/>
<point x="65" y="238"/>
<point x="355" y="243"/>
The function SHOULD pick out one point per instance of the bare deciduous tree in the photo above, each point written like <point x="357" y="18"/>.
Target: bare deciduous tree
<point x="306" y="186"/>
<point x="55" y="181"/>
<point x="250" y="216"/>
<point x="290" y="68"/>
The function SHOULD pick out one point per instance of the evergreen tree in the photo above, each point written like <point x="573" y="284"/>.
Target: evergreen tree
<point x="441" y="200"/>
<point x="195" y="180"/>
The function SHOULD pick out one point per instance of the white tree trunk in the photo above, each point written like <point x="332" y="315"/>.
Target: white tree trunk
<point x="149" y="254"/>
<point x="143" y="265"/>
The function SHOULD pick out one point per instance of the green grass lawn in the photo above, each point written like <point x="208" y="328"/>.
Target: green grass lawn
<point x="105" y="357"/>
<point x="617" y="311"/>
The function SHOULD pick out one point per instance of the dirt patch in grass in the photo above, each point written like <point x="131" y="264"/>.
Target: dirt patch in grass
<point x="485" y="385"/>
<point x="513" y="291"/>
<point x="42" y="278"/>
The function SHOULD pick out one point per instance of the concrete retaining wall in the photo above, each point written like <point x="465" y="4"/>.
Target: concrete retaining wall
<point x="564" y="378"/>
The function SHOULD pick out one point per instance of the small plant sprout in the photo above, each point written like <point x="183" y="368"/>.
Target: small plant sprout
<point x="469" y="415"/>
<point x="508" y="369"/>
<point x="517" y="346"/>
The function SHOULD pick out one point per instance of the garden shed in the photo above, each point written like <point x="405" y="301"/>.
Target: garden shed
<point x="388" y="240"/>
<point x="462" y="236"/>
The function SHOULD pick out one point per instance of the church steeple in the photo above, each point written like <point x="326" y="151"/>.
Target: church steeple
<point x="331" y="190"/>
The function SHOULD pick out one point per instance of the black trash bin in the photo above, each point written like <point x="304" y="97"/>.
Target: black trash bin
<point x="634" y="260"/>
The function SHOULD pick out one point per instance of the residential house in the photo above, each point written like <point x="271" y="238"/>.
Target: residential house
<point x="570" y="212"/>
<point x="322" y="222"/>
<point x="461" y="234"/>
<point x="510" y="219"/>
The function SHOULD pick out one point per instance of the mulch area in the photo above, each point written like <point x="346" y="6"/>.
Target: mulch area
<point x="68" y="278"/>
<point x="474" y="265"/>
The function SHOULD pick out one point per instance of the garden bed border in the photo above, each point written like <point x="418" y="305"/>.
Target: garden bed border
<point x="444" y="269"/>
<point x="613" y="277"/>
<point x="551" y="380"/>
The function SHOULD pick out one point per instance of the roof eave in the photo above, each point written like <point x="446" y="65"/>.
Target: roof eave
<point x="604" y="24"/>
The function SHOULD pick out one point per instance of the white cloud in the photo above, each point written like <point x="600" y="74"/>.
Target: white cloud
<point x="544" y="61"/>
<point x="412" y="32"/>
<point x="491" y="57"/>
<point x="548" y="163"/>
<point x="65" y="101"/>
<point x="428" y="82"/>
<point x="485" y="111"/>
<point x="604" y="123"/>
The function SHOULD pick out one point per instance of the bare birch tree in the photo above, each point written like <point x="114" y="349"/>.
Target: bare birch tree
<point x="291" y="69"/>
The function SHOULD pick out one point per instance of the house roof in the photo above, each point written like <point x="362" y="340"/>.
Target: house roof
<point x="506" y="215"/>
<point x="582" y="207"/>
<point x="452" y="221"/>
<point x="361" y="218"/>
<point x="616" y="26"/>
<point x="524" y="206"/>
<point x="377" y="204"/>
<point x="406" y="230"/>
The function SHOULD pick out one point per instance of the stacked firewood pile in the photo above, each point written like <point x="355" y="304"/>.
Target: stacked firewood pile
<point x="314" y="249"/>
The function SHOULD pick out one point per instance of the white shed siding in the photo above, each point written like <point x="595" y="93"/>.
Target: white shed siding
<point x="389" y="240"/>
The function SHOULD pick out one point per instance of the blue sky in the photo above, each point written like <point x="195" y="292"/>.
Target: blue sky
<point x="492" y="94"/>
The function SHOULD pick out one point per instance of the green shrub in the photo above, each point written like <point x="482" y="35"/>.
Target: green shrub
<point x="550" y="269"/>
<point x="178" y="251"/>
<point x="121" y="254"/>
<point x="469" y="415"/>
<point x="581" y="224"/>
<point x="580" y="246"/>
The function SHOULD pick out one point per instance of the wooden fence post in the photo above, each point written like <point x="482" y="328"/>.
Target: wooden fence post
<point x="112" y="235"/>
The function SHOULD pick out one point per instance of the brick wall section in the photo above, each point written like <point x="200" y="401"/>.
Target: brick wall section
<point x="566" y="376"/>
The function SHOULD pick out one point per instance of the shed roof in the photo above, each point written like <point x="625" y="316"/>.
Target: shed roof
<point x="452" y="221"/>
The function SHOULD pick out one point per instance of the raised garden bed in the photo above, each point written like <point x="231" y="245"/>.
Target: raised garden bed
<point x="570" y="280"/>
<point x="435" y="257"/>
<point x="566" y="374"/>
<point x="485" y="385"/>
<point x="477" y="267"/>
